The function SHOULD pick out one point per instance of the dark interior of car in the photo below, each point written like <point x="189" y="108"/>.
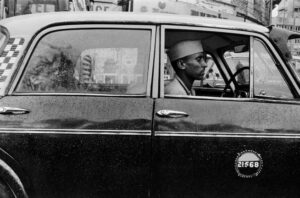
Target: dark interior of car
<point x="223" y="71"/>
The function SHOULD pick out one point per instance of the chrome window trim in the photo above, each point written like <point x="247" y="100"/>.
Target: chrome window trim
<point x="161" y="62"/>
<point x="224" y="134"/>
<point x="35" y="40"/>
<point x="156" y="72"/>
<point x="74" y="131"/>
<point x="261" y="100"/>
<point x="76" y="94"/>
<point x="5" y="32"/>
<point x="252" y="35"/>
<point x="251" y="64"/>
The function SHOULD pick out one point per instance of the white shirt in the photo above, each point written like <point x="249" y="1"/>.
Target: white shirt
<point x="177" y="87"/>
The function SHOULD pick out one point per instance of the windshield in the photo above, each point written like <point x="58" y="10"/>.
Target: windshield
<point x="295" y="58"/>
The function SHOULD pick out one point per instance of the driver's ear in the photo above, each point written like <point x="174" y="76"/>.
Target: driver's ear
<point x="181" y="64"/>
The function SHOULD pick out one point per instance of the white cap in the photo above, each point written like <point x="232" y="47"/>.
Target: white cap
<point x="184" y="48"/>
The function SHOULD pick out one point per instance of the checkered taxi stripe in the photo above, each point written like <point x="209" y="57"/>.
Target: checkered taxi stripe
<point x="8" y="59"/>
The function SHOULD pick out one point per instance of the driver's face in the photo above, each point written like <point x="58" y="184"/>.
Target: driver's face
<point x="195" y="65"/>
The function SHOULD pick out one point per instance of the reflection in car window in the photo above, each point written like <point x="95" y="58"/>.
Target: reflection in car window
<point x="295" y="65"/>
<point x="97" y="61"/>
<point x="2" y="40"/>
<point x="295" y="61"/>
<point x="236" y="62"/>
<point x="268" y="81"/>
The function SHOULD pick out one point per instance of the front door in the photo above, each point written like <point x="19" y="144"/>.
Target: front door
<point x="237" y="145"/>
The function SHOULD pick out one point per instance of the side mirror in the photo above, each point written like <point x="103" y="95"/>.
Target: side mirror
<point x="280" y="37"/>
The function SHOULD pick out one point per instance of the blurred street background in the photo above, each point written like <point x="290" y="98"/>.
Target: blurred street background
<point x="280" y="13"/>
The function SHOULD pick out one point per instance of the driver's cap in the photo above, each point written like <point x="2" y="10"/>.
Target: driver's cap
<point x="184" y="48"/>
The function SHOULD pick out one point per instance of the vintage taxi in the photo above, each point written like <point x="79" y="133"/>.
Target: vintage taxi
<point x="118" y="134"/>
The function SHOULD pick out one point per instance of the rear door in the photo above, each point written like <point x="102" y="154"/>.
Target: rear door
<point x="79" y="113"/>
<point x="242" y="146"/>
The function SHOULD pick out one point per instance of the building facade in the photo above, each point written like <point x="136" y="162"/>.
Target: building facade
<point x="288" y="17"/>
<point x="257" y="11"/>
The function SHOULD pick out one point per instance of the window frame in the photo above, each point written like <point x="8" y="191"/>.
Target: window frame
<point x="5" y="33"/>
<point x="278" y="68"/>
<point x="36" y="39"/>
<point x="281" y="65"/>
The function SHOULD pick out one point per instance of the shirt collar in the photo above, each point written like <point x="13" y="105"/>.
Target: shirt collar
<point x="188" y="92"/>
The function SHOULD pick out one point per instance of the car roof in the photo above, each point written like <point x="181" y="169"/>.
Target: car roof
<point x="31" y="23"/>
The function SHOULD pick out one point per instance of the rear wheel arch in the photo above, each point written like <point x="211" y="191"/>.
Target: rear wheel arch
<point x="10" y="182"/>
<point x="12" y="175"/>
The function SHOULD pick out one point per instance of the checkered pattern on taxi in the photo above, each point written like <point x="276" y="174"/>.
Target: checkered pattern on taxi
<point x="8" y="59"/>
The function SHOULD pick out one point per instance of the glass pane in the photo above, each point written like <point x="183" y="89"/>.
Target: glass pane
<point x="236" y="62"/>
<point x="2" y="40"/>
<point x="268" y="81"/>
<point x="112" y="61"/>
<point x="293" y="46"/>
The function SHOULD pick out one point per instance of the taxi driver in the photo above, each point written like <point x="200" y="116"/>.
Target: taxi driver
<point x="189" y="62"/>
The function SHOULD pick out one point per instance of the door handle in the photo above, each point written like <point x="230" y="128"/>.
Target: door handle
<point x="13" y="110"/>
<point x="171" y="114"/>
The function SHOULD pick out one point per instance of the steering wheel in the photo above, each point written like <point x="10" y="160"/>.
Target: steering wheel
<point x="232" y="78"/>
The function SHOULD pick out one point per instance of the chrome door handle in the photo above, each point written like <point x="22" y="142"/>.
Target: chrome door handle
<point x="13" y="110"/>
<point x="171" y="114"/>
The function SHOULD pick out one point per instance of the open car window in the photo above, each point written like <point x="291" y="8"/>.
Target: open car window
<point x="215" y="82"/>
<point x="212" y="77"/>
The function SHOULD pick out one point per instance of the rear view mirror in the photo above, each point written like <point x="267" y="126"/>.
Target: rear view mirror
<point x="240" y="48"/>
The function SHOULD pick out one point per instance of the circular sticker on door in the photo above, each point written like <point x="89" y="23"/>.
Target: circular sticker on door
<point x="248" y="164"/>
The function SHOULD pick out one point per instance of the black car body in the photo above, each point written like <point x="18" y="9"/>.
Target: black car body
<point x="119" y="135"/>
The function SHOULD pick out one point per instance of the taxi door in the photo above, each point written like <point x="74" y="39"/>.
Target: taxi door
<point x="230" y="147"/>
<point x="75" y="135"/>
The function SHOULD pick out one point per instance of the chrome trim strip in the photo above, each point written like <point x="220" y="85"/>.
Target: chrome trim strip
<point x="151" y="60"/>
<point x="78" y="94"/>
<point x="228" y="134"/>
<point x="251" y="91"/>
<point x="263" y="100"/>
<point x="74" y="131"/>
<point x="161" y="63"/>
<point x="156" y="76"/>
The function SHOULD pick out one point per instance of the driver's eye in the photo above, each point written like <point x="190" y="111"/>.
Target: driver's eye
<point x="199" y="58"/>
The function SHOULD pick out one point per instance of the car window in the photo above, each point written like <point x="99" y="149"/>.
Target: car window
<point x="2" y="40"/>
<point x="105" y="61"/>
<point x="295" y="58"/>
<point x="268" y="81"/>
<point x="209" y="81"/>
